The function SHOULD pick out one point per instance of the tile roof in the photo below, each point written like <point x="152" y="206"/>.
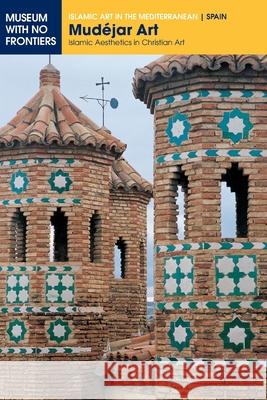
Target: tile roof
<point x="166" y="66"/>
<point x="124" y="176"/>
<point x="141" y="348"/>
<point x="50" y="118"/>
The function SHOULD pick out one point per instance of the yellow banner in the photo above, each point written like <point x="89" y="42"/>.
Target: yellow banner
<point x="163" y="27"/>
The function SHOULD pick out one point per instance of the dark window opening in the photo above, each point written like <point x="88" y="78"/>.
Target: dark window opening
<point x="142" y="259"/>
<point x="19" y="236"/>
<point x="237" y="214"/>
<point x="95" y="237"/>
<point x="120" y="259"/>
<point x="59" y="237"/>
<point x="181" y="201"/>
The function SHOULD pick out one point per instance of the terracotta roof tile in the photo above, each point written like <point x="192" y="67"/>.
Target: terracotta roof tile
<point x="52" y="134"/>
<point x="49" y="117"/>
<point x="140" y="348"/>
<point x="125" y="177"/>
<point x="166" y="66"/>
<point x="35" y="137"/>
<point x="27" y="119"/>
<point x="30" y="104"/>
<point x="41" y="127"/>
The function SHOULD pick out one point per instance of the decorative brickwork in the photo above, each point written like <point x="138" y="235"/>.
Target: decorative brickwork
<point x="128" y="312"/>
<point x="224" y="99"/>
<point x="236" y="275"/>
<point x="60" y="181"/>
<point x="60" y="288"/>
<point x="237" y="335"/>
<point x="19" y="182"/>
<point x="180" y="334"/>
<point x="178" y="276"/>
<point x="58" y="297"/>
<point x="17" y="288"/>
<point x="16" y="330"/>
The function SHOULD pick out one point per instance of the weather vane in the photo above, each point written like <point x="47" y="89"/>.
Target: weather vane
<point x="102" y="101"/>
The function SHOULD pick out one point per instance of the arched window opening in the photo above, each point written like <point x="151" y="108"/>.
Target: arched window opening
<point x="228" y="212"/>
<point x="95" y="238"/>
<point x="142" y="259"/>
<point x="59" y="237"/>
<point x="120" y="259"/>
<point x="234" y="205"/>
<point x="19" y="236"/>
<point x="181" y="200"/>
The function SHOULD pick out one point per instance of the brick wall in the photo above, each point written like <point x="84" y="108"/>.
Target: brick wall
<point x="68" y="308"/>
<point x="128" y="295"/>
<point x="201" y="306"/>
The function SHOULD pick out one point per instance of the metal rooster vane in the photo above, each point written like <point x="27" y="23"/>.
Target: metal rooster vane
<point x="102" y="101"/>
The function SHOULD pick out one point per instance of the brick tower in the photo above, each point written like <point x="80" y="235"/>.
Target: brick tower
<point x="210" y="127"/>
<point x="67" y="199"/>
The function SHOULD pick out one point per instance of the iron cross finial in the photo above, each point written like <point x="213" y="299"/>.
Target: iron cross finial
<point x="103" y="83"/>
<point x="102" y="101"/>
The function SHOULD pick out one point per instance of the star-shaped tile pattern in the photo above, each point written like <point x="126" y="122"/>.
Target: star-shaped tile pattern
<point x="235" y="125"/>
<point x="17" y="288"/>
<point x="180" y="334"/>
<point x="59" y="331"/>
<point x="178" y="275"/>
<point x="16" y="330"/>
<point x="19" y="182"/>
<point x="237" y="335"/>
<point x="60" y="181"/>
<point x="236" y="275"/>
<point x="60" y="288"/>
<point x="178" y="128"/>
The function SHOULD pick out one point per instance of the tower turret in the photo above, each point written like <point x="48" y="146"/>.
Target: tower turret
<point x="67" y="197"/>
<point x="210" y="130"/>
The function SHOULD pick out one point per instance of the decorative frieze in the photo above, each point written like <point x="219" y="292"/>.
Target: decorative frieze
<point x="51" y="310"/>
<point x="39" y="268"/>
<point x="170" y="248"/>
<point x="212" y="305"/>
<point x="195" y="155"/>
<point x="60" y="162"/>
<point x="220" y="94"/>
<point x="40" y="200"/>
<point x="43" y="350"/>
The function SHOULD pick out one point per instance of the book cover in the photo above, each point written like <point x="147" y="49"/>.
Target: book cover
<point x="133" y="199"/>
